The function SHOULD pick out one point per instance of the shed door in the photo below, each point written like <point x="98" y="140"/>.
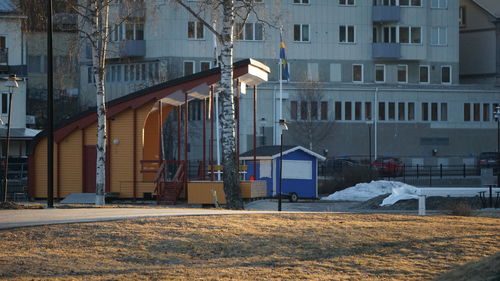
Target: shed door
<point x="89" y="166"/>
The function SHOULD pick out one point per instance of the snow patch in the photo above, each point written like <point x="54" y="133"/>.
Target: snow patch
<point x="367" y="191"/>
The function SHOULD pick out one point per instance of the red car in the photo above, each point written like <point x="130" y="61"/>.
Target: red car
<point x="388" y="166"/>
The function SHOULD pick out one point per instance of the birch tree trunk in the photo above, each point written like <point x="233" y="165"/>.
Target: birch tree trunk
<point x="230" y="172"/>
<point x="100" y="33"/>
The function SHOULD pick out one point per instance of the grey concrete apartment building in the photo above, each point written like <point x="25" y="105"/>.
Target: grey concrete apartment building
<point x="389" y="69"/>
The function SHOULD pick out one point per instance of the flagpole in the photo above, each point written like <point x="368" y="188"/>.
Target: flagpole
<point x="280" y="106"/>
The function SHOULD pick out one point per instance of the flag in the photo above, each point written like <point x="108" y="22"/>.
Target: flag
<point x="284" y="65"/>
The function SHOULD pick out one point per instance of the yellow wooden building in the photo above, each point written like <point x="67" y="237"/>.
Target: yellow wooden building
<point x="134" y="125"/>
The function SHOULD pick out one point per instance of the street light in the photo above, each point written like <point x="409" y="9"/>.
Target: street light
<point x="262" y="124"/>
<point x="284" y="127"/>
<point x="11" y="84"/>
<point x="497" y="117"/>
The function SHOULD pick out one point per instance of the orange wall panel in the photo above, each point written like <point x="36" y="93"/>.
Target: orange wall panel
<point x="70" y="165"/>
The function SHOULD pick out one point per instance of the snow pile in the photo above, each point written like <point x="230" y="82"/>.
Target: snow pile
<point x="367" y="191"/>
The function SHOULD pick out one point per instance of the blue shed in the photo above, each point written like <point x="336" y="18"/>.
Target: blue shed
<point x="300" y="170"/>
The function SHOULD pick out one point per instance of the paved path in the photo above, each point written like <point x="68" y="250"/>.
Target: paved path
<point x="33" y="217"/>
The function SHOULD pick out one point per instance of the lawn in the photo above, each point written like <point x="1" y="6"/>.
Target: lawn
<point x="250" y="247"/>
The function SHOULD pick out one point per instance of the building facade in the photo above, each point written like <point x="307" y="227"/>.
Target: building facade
<point x="13" y="61"/>
<point x="380" y="76"/>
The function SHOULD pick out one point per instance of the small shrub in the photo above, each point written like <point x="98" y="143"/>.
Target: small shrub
<point x="461" y="209"/>
<point x="349" y="176"/>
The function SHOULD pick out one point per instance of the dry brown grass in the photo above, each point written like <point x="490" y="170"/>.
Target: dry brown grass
<point x="250" y="247"/>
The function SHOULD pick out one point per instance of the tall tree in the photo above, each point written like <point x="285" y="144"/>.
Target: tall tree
<point x="310" y="121"/>
<point x="94" y="27"/>
<point x="227" y="12"/>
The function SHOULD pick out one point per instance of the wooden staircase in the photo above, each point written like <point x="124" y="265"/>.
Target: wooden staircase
<point x="168" y="190"/>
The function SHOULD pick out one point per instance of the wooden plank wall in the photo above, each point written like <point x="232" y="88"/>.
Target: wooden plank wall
<point x="68" y="156"/>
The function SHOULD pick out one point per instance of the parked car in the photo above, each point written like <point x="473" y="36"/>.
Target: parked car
<point x="335" y="165"/>
<point x="488" y="160"/>
<point x="388" y="166"/>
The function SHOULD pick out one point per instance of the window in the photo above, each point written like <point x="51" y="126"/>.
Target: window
<point x="293" y="110"/>
<point x="403" y="73"/>
<point x="338" y="110"/>
<point x="195" y="30"/>
<point x="486" y="112"/>
<point x="425" y="111"/>
<point x="401" y="111"/>
<point x="461" y="16"/>
<point x="303" y="110"/>
<point x="250" y="31"/>
<point x="368" y="111"/>
<point x="357" y="73"/>
<point x="5" y="103"/>
<point x="411" y="111"/>
<point x="439" y="4"/>
<point x="301" y="32"/>
<point x="375" y="35"/>
<point x="205" y="65"/>
<point x="446" y="74"/>
<point x="133" y="31"/>
<point x="188" y="67"/>
<point x="410" y="35"/>
<point x="389" y="34"/>
<point x="416" y="35"/>
<point x="324" y="110"/>
<point x="314" y="110"/>
<point x="404" y="35"/>
<point x="424" y="74"/>
<point x="466" y="111"/>
<point x="346" y="34"/>
<point x="300" y="1"/>
<point x="392" y="109"/>
<point x="346" y="2"/>
<point x="90" y="75"/>
<point x="380" y="73"/>
<point x="444" y="112"/>
<point x="381" y="111"/>
<point x="476" y="112"/>
<point x="434" y="111"/>
<point x="348" y="110"/>
<point x="410" y="3"/>
<point x="357" y="111"/>
<point x="439" y="36"/>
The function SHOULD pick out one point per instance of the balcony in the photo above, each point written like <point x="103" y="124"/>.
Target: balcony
<point x="4" y="55"/>
<point x="133" y="48"/>
<point x="386" y="50"/>
<point x="386" y="14"/>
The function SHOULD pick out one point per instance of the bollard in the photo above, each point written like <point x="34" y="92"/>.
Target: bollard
<point x="421" y="205"/>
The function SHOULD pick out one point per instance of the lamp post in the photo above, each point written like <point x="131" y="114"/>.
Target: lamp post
<point x="369" y="123"/>
<point x="497" y="117"/>
<point x="262" y="125"/>
<point x="283" y="127"/>
<point x="11" y="84"/>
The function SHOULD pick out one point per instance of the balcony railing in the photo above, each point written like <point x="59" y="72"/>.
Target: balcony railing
<point x="386" y="14"/>
<point x="386" y="50"/>
<point x="4" y="55"/>
<point x="133" y="48"/>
